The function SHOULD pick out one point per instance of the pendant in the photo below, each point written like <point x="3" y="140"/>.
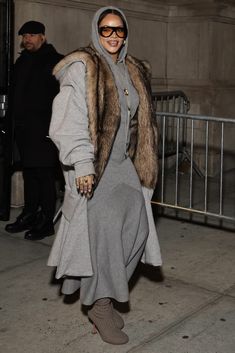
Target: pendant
<point x="126" y="92"/>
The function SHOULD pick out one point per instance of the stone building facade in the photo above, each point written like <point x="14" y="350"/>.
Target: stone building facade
<point x="190" y="45"/>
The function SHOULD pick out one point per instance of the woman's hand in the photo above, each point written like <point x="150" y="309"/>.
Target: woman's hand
<point x="85" y="184"/>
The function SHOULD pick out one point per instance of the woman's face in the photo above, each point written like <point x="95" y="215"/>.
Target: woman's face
<point x="114" y="42"/>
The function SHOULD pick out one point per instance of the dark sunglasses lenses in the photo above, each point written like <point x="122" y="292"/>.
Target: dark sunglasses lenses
<point x="108" y="31"/>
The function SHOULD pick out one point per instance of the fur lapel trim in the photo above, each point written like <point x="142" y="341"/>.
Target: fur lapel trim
<point x="104" y="113"/>
<point x="145" y="157"/>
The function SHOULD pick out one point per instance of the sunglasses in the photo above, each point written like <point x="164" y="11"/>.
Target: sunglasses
<point x="107" y="31"/>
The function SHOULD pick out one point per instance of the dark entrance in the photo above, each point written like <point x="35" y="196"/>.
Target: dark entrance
<point x="6" y="59"/>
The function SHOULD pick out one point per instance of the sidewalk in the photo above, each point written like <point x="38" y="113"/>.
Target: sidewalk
<point x="191" y="310"/>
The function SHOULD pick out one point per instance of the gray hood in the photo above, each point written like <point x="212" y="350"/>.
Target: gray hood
<point x="95" y="36"/>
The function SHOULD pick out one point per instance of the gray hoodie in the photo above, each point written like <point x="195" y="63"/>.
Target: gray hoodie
<point x="96" y="41"/>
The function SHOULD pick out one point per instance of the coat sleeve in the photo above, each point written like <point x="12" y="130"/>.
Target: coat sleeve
<point x="69" y="123"/>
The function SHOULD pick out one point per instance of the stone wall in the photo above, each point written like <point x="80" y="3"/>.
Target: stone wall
<point x="190" y="45"/>
<point x="201" y="51"/>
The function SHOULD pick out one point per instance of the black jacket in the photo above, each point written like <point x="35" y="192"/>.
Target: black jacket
<point x="32" y="93"/>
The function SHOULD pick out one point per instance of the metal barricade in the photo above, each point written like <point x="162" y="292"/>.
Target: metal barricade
<point x="210" y="193"/>
<point x="171" y="102"/>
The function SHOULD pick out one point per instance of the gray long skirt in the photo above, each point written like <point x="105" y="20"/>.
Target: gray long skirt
<point x="118" y="229"/>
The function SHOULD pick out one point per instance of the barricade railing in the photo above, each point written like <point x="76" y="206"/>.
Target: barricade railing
<point x="197" y="186"/>
<point x="171" y="102"/>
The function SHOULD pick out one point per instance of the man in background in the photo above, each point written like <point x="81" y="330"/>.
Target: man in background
<point x="32" y="92"/>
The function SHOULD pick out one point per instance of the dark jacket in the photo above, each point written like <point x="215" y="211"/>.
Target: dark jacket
<point x="32" y="93"/>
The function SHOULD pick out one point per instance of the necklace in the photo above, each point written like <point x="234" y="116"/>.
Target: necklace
<point x="125" y="90"/>
<point x="124" y="81"/>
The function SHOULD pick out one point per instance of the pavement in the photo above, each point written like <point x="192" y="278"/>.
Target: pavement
<point x="186" y="306"/>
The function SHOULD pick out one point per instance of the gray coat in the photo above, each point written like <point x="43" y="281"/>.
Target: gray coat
<point x="70" y="251"/>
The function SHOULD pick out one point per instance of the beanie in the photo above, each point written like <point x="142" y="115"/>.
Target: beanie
<point x="32" y="27"/>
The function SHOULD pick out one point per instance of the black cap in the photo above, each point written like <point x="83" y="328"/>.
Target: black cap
<point x="32" y="27"/>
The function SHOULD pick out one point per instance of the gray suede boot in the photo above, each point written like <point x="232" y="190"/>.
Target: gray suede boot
<point x="102" y="317"/>
<point x="118" y="320"/>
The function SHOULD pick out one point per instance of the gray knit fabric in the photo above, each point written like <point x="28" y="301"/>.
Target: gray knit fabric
<point x="96" y="41"/>
<point x="117" y="219"/>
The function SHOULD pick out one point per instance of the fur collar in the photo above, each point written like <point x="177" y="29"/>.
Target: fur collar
<point x="104" y="112"/>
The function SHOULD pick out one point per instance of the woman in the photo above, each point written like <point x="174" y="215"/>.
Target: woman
<point x="104" y="129"/>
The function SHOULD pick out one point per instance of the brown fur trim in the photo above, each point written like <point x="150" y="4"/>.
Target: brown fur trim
<point x="104" y="113"/>
<point x="145" y="157"/>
